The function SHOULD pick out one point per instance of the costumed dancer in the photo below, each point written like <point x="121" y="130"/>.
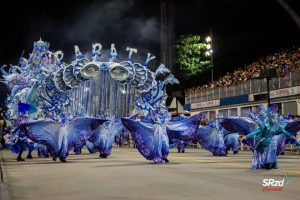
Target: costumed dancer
<point x="265" y="151"/>
<point x="102" y="139"/>
<point x="231" y="140"/>
<point x="282" y="140"/>
<point x="182" y="130"/>
<point x="211" y="138"/>
<point x="262" y="129"/>
<point x="122" y="138"/>
<point x="61" y="138"/>
<point x="187" y="129"/>
<point x="22" y="142"/>
<point x="150" y="136"/>
<point x="181" y="145"/>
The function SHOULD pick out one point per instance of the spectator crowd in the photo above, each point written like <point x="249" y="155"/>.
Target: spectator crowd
<point x="284" y="61"/>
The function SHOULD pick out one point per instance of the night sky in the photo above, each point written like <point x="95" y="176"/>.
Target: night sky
<point x="243" y="30"/>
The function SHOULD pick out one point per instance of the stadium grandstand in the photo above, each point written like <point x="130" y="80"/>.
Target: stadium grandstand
<point x="240" y="92"/>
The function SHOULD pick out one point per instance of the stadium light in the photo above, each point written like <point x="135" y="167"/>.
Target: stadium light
<point x="208" y="46"/>
<point x="208" y="39"/>
<point x="209" y="52"/>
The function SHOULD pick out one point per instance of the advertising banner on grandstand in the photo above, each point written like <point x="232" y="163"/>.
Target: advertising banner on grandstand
<point x="205" y="104"/>
<point x="278" y="93"/>
<point x="285" y="92"/>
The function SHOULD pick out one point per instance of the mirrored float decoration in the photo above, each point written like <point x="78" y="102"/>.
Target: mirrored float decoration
<point x="84" y="87"/>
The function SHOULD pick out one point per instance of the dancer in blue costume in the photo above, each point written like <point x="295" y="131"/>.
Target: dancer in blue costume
<point x="265" y="151"/>
<point x="182" y="130"/>
<point x="293" y="126"/>
<point x="188" y="129"/>
<point x="103" y="138"/>
<point x="181" y="145"/>
<point x="211" y="138"/>
<point x="17" y="140"/>
<point x="150" y="136"/>
<point x="122" y="138"/>
<point x="244" y="125"/>
<point x="279" y="140"/>
<point x="263" y="131"/>
<point x="231" y="141"/>
<point x="61" y="138"/>
<point x="22" y="142"/>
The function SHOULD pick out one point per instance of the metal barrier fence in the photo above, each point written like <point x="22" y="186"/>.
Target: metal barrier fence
<point x="248" y="87"/>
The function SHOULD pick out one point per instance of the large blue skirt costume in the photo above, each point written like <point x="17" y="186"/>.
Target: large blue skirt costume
<point x="102" y="139"/>
<point x="184" y="128"/>
<point x="241" y="125"/>
<point x="292" y="126"/>
<point x="211" y="139"/>
<point x="151" y="139"/>
<point x="231" y="141"/>
<point x="61" y="138"/>
<point x="187" y="129"/>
